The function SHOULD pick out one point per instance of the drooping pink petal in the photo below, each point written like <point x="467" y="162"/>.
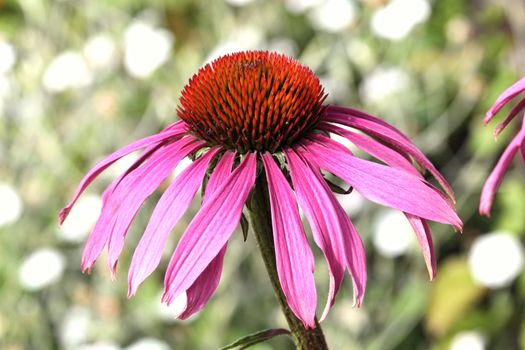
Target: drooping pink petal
<point x="319" y="211"/>
<point x="169" y="209"/>
<point x="360" y="114"/>
<point x="200" y="292"/>
<point x="293" y="256"/>
<point x="374" y="148"/>
<point x="385" y="185"/>
<point x="138" y="186"/>
<point x="496" y="177"/>
<point x="174" y="133"/>
<point x="99" y="235"/>
<point x="355" y="255"/>
<point x="424" y="238"/>
<point x="512" y="114"/>
<point x="507" y="95"/>
<point x="124" y="197"/>
<point x="209" y="230"/>
<point x="395" y="160"/>
<point x="330" y="234"/>
<point x="353" y="246"/>
<point x="393" y="138"/>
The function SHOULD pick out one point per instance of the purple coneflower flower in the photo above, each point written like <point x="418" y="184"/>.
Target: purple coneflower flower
<point x="253" y="114"/>
<point x="516" y="145"/>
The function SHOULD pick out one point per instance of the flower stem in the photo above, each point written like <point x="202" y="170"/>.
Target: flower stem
<point x="260" y="214"/>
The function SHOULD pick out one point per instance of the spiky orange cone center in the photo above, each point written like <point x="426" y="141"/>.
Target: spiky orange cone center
<point x="252" y="100"/>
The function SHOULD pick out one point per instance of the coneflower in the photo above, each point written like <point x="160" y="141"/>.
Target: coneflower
<point x="259" y="133"/>
<point x="516" y="145"/>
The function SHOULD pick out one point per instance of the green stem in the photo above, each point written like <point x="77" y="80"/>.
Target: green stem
<point x="260" y="214"/>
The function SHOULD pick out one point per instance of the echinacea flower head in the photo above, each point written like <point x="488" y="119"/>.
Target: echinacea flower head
<point x="258" y="110"/>
<point x="516" y="145"/>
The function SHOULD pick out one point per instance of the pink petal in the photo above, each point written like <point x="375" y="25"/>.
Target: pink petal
<point x="496" y="177"/>
<point x="170" y="208"/>
<point x="137" y="187"/>
<point x="127" y="195"/>
<point x="374" y="148"/>
<point x="293" y="256"/>
<point x="385" y="185"/>
<point x="360" y="114"/>
<point x="177" y="125"/>
<point x="205" y="285"/>
<point x="392" y="138"/>
<point x="355" y="254"/>
<point x="100" y="233"/>
<point x="424" y="237"/>
<point x="176" y="132"/>
<point x="523" y="152"/>
<point x="354" y="249"/>
<point x="512" y="114"/>
<point x="209" y="230"/>
<point x="220" y="174"/>
<point x="200" y="292"/>
<point x="320" y="208"/>
<point x="507" y="95"/>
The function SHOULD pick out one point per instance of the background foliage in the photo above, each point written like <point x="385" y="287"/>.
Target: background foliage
<point x="79" y="79"/>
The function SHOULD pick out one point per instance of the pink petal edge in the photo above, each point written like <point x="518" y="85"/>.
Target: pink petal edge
<point x="424" y="238"/>
<point x="177" y="131"/>
<point x="512" y="114"/>
<point x="322" y="217"/>
<point x="393" y="159"/>
<point x="507" y="95"/>
<point x="293" y="256"/>
<point x="393" y="138"/>
<point x="125" y="196"/>
<point x="168" y="211"/>
<point x="209" y="230"/>
<point x="385" y="185"/>
<point x="374" y="148"/>
<point x="200" y="292"/>
<point x="496" y="176"/>
<point x="335" y="235"/>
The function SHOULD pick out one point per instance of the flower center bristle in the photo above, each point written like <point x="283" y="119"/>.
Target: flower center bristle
<point x="252" y="100"/>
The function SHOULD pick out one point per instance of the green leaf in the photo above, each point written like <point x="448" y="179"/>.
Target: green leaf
<point x="256" y="338"/>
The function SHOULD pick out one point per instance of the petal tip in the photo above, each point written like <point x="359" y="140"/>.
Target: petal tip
<point x="485" y="213"/>
<point x="64" y="212"/>
<point x="113" y="271"/>
<point x="86" y="265"/>
<point x="488" y="117"/>
<point x="358" y="302"/>
<point x="484" y="209"/>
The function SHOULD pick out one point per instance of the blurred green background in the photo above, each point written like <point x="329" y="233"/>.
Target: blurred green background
<point x="79" y="79"/>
